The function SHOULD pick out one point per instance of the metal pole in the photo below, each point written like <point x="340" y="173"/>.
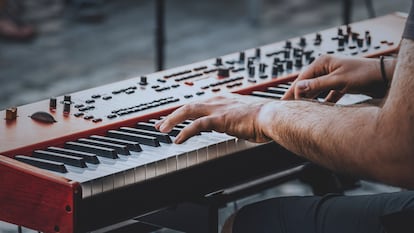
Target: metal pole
<point x="159" y="34"/>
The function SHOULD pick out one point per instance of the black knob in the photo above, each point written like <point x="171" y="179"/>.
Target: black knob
<point x="223" y="72"/>
<point x="308" y="54"/>
<point x="52" y="103"/>
<point x="368" y="40"/>
<point x="288" y="44"/>
<point x="143" y="81"/>
<point x="297" y="52"/>
<point x="341" y="41"/>
<point x="280" y="68"/>
<point x="218" y="62"/>
<point x="302" y="41"/>
<point x="360" y="42"/>
<point x="257" y="53"/>
<point x="275" y="70"/>
<point x="250" y="62"/>
<point x="262" y="67"/>
<point x="355" y="36"/>
<point x="67" y="98"/>
<point x="348" y="29"/>
<point x="318" y="37"/>
<point x="289" y="64"/>
<point x="298" y="62"/>
<point x="241" y="57"/>
<point x="66" y="107"/>
<point x="286" y="53"/>
<point x="251" y="70"/>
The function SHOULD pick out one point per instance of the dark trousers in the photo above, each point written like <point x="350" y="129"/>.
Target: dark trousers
<point x="379" y="213"/>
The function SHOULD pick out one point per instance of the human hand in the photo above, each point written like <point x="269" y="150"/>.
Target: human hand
<point x="340" y="75"/>
<point x="233" y="114"/>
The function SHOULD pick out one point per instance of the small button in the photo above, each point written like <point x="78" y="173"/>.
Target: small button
<point x="129" y="92"/>
<point x="188" y="96"/>
<point x="108" y="97"/>
<point x="188" y="83"/>
<point x="251" y="80"/>
<point x="78" y="114"/>
<point x="155" y="86"/>
<point x="205" y="87"/>
<point x="175" y="85"/>
<point x="161" y="80"/>
<point x="90" y="101"/>
<point x="79" y="106"/>
<point x="200" y="93"/>
<point x="97" y="120"/>
<point x="215" y="89"/>
<point x="330" y="52"/>
<point x="96" y="96"/>
<point x="111" y="116"/>
<point x="83" y="109"/>
<point x="88" y="117"/>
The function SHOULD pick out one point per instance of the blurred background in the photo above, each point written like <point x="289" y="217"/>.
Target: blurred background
<point x="53" y="47"/>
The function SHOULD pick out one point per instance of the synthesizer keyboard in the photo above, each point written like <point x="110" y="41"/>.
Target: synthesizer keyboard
<point x="67" y="158"/>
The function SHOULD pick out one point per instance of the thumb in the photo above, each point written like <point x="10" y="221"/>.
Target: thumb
<point x="310" y="88"/>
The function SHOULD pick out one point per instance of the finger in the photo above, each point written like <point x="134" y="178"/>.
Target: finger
<point x="315" y="69"/>
<point x="189" y="111"/>
<point x="310" y="88"/>
<point x="197" y="126"/>
<point x="334" y="96"/>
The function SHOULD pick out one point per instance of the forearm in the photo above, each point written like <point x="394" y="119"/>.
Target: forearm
<point x="368" y="141"/>
<point x="333" y="136"/>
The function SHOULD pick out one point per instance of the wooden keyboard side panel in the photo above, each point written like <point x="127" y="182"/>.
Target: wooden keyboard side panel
<point x="36" y="199"/>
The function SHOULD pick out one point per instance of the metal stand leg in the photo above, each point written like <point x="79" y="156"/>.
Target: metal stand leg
<point x="159" y="34"/>
<point x="347" y="10"/>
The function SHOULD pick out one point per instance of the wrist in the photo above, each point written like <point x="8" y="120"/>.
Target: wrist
<point x="267" y="118"/>
<point x="387" y="66"/>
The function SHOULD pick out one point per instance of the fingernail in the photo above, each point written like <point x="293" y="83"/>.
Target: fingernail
<point x="162" y="127"/>
<point x="303" y="85"/>
<point x="177" y="140"/>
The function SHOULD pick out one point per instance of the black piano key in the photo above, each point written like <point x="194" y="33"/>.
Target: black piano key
<point x="162" y="137"/>
<point x="142" y="139"/>
<point x="88" y="157"/>
<point x="56" y="157"/>
<point x="120" y="149"/>
<point x="131" y="145"/>
<point x="277" y="90"/>
<point x="98" y="150"/>
<point x="151" y="127"/>
<point x="267" y="95"/>
<point x="41" y="163"/>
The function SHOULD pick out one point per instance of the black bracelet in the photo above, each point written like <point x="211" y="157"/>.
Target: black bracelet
<point x="383" y="73"/>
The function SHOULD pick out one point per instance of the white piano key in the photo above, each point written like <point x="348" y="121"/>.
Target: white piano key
<point x="140" y="174"/>
<point x="150" y="170"/>
<point x="192" y="157"/>
<point x="172" y="164"/>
